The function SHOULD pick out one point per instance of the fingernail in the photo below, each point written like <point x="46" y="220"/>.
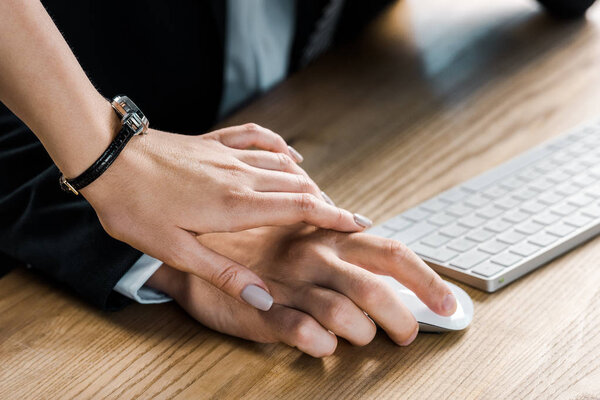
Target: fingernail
<point x="411" y="338"/>
<point x="449" y="303"/>
<point x="327" y="199"/>
<point x="257" y="297"/>
<point x="362" y="221"/>
<point x="297" y="156"/>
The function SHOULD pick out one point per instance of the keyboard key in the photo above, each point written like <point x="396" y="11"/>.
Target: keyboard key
<point x="542" y="239"/>
<point x="477" y="201"/>
<point x="541" y="185"/>
<point x="453" y="230"/>
<point x="524" y="249"/>
<point x="563" y="209"/>
<point x="470" y="259"/>
<point x="459" y="210"/>
<point x="381" y="231"/>
<point x="573" y="168"/>
<point x="591" y="211"/>
<point x="545" y="166"/>
<point x="480" y="235"/>
<point x="577" y="220"/>
<point x="546" y="218"/>
<point x="506" y="259"/>
<point x="524" y="194"/>
<point x="455" y="194"/>
<point x="462" y="245"/>
<point x="493" y="246"/>
<point x="414" y="232"/>
<point x="511" y="237"/>
<point x="593" y="191"/>
<point x="533" y="207"/>
<point x="435" y="240"/>
<point x="440" y="255"/>
<point x="507" y="203"/>
<point x="515" y="216"/>
<point x="529" y="228"/>
<point x="487" y="269"/>
<point x="497" y="226"/>
<point x="442" y="219"/>
<point x="558" y="176"/>
<point x="471" y="221"/>
<point x="495" y="192"/>
<point x="580" y="200"/>
<point x="550" y="198"/>
<point x="529" y="174"/>
<point x="489" y="212"/>
<point x="561" y="229"/>
<point x="583" y="180"/>
<point x="434" y="205"/>
<point x="567" y="188"/>
<point x="416" y="214"/>
<point x="398" y="223"/>
<point x="512" y="183"/>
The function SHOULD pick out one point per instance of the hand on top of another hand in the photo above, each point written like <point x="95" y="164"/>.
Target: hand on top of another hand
<point x="323" y="282"/>
<point x="165" y="189"/>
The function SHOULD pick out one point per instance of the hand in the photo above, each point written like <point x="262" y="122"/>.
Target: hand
<point x="321" y="281"/>
<point x="164" y="189"/>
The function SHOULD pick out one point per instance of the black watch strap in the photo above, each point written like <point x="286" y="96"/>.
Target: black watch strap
<point x="133" y="122"/>
<point x="101" y="165"/>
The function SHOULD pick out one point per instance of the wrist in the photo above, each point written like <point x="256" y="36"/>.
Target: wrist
<point x="169" y="281"/>
<point x="94" y="128"/>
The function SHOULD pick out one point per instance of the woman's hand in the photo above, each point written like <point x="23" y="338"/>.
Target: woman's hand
<point x="164" y="189"/>
<point x="321" y="281"/>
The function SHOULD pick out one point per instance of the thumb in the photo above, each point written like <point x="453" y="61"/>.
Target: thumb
<point x="222" y="272"/>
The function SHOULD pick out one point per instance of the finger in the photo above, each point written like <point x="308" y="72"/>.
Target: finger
<point x="373" y="296"/>
<point x="334" y="311"/>
<point x="290" y="208"/>
<point x="225" y="274"/>
<point x="390" y="257"/>
<point x="253" y="135"/>
<point x="277" y="181"/>
<point x="270" y="160"/>
<point x="300" y="330"/>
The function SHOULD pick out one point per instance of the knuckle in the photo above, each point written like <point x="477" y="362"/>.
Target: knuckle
<point x="251" y="127"/>
<point x="226" y="277"/>
<point x="285" y="162"/>
<point x="304" y="184"/>
<point x="306" y="203"/>
<point x="370" y="292"/>
<point x="397" y="251"/>
<point x="338" y="313"/>
<point x="302" y="332"/>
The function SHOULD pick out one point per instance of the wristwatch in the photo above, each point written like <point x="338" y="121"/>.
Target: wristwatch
<point x="133" y="122"/>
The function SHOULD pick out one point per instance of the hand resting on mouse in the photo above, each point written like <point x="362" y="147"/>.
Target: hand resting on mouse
<point x="321" y="282"/>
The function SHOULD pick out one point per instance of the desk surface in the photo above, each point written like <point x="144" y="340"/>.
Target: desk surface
<point x="434" y="92"/>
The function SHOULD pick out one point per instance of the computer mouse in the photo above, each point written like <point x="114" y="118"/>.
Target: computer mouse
<point x="427" y="319"/>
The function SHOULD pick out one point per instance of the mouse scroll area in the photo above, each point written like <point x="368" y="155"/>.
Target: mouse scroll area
<point x="427" y="319"/>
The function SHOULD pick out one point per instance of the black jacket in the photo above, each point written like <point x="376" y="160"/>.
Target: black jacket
<point x="170" y="58"/>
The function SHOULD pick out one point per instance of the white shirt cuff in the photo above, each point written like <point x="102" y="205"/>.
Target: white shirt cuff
<point x="132" y="283"/>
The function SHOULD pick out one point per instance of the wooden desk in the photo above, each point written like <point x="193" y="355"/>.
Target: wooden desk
<point x="433" y="93"/>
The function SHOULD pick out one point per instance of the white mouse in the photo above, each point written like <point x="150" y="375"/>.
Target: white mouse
<point x="427" y="319"/>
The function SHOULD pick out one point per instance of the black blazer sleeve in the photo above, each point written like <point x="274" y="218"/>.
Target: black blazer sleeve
<point x="58" y="234"/>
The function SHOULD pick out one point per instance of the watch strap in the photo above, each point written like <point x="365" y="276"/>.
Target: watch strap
<point x="101" y="164"/>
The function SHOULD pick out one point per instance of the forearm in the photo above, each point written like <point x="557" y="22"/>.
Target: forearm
<point x="44" y="85"/>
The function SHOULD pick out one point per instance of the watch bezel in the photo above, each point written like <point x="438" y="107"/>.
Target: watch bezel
<point x="130" y="114"/>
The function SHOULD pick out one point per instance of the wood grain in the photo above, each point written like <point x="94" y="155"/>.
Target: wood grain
<point x="434" y="92"/>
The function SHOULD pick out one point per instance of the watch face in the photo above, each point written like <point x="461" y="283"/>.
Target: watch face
<point x="130" y="113"/>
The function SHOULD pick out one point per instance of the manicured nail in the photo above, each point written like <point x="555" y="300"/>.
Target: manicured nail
<point x="362" y="221"/>
<point x="257" y="297"/>
<point x="411" y="338"/>
<point x="449" y="303"/>
<point x="297" y="156"/>
<point x="327" y="199"/>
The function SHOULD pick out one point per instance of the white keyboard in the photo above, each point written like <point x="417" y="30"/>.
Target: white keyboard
<point x="504" y="223"/>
